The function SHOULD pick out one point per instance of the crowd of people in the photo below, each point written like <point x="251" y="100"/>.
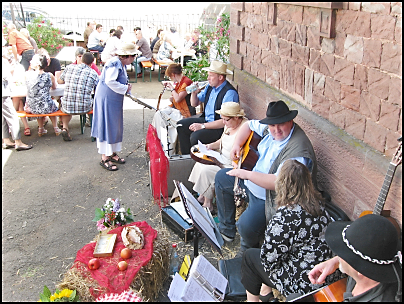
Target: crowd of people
<point x="288" y="241"/>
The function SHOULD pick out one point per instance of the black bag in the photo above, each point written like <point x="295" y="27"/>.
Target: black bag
<point x="333" y="210"/>
<point x="231" y="270"/>
<point x="176" y="223"/>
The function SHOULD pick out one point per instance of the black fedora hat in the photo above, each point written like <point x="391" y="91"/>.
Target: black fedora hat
<point x="277" y="113"/>
<point x="369" y="245"/>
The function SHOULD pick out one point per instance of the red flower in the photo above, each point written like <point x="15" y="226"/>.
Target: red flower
<point x="39" y="39"/>
<point x="43" y="21"/>
<point x="52" y="45"/>
<point x="58" y="32"/>
<point x="54" y="35"/>
<point x="39" y="25"/>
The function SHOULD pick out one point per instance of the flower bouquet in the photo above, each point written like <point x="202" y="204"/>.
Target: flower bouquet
<point x="112" y="214"/>
<point x="66" y="295"/>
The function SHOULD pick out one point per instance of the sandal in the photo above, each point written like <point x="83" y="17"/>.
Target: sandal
<point x="107" y="165"/>
<point x="66" y="136"/>
<point x="42" y="131"/>
<point x="57" y="131"/>
<point x="270" y="297"/>
<point x="119" y="160"/>
<point x="27" y="132"/>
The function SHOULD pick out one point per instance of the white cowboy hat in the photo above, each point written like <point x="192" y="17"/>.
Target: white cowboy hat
<point x="127" y="49"/>
<point x="218" y="68"/>
<point x="231" y="109"/>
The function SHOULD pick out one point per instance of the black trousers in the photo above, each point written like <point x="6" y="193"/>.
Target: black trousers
<point x="189" y="138"/>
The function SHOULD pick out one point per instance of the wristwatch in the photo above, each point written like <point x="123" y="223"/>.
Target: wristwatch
<point x="203" y="126"/>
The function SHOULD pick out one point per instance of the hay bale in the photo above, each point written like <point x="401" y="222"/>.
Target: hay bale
<point x="148" y="282"/>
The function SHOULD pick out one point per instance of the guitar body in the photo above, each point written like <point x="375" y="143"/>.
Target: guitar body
<point x="331" y="293"/>
<point x="250" y="152"/>
<point x="202" y="158"/>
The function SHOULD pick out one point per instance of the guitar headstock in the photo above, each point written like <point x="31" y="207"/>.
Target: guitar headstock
<point x="397" y="157"/>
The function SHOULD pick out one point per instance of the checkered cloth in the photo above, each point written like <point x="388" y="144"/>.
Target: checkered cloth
<point x="126" y="296"/>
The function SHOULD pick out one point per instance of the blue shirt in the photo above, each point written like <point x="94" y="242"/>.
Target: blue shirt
<point x="231" y="95"/>
<point x="268" y="150"/>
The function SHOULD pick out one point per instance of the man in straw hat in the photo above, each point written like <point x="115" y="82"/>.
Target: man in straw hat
<point x="282" y="139"/>
<point x="208" y="127"/>
<point x="368" y="251"/>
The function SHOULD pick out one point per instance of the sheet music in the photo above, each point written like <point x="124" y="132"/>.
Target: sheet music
<point x="176" y="288"/>
<point x="215" y="154"/>
<point x="179" y="207"/>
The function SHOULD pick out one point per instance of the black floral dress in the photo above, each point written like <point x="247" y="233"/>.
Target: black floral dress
<point x="39" y="100"/>
<point x="294" y="243"/>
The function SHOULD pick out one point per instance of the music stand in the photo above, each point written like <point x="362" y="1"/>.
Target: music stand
<point x="201" y="220"/>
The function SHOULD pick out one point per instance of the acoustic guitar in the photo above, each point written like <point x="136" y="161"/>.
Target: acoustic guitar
<point x="330" y="293"/>
<point x="202" y="158"/>
<point x="381" y="200"/>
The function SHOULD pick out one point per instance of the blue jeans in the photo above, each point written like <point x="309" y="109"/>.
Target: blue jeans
<point x="98" y="48"/>
<point x="251" y="224"/>
<point x="138" y="60"/>
<point x="26" y="58"/>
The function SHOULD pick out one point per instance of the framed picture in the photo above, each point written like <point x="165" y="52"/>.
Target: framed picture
<point x="105" y="245"/>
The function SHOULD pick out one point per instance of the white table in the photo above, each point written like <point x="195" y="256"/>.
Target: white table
<point x="181" y="53"/>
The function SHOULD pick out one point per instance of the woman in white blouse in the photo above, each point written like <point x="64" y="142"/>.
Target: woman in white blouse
<point x="112" y="45"/>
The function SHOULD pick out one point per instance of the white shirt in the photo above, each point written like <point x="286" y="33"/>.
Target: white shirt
<point x="94" y="39"/>
<point x="113" y="44"/>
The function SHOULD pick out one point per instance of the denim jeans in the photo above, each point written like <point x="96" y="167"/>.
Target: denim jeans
<point x="98" y="48"/>
<point x="138" y="60"/>
<point x="251" y="224"/>
<point x="26" y="58"/>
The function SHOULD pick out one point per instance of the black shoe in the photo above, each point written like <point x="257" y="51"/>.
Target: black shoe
<point x="23" y="148"/>
<point x="227" y="238"/>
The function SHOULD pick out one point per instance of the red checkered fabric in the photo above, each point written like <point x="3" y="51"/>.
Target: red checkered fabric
<point x="126" y="296"/>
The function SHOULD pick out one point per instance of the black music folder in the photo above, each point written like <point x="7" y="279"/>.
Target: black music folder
<point x="201" y="219"/>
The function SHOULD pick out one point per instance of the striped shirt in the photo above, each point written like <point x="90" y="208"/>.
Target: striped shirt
<point x="80" y="81"/>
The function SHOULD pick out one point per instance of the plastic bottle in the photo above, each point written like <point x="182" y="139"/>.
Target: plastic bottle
<point x="193" y="87"/>
<point x="174" y="261"/>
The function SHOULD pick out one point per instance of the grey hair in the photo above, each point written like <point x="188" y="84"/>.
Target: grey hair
<point x="80" y="51"/>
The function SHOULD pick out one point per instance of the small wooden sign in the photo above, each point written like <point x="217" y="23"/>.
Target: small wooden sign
<point x="105" y="246"/>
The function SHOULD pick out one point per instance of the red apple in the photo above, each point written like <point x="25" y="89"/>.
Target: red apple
<point x="126" y="253"/>
<point x="94" y="264"/>
<point x="122" y="265"/>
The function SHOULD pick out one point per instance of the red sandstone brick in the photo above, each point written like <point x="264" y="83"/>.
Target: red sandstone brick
<point x="248" y="7"/>
<point x="369" y="106"/>
<point x="311" y="16"/>
<point x="254" y="38"/>
<point x="236" y="60"/>
<point x="361" y="77"/>
<point x="353" y="22"/>
<point x="263" y="41"/>
<point x="339" y="44"/>
<point x="376" y="7"/>
<point x="318" y="84"/>
<point x="355" y="124"/>
<point x="275" y="62"/>
<point x="391" y="60"/>
<point x="301" y="34"/>
<point x="234" y="45"/>
<point x="372" y="51"/>
<point x="396" y="91"/>
<point x="321" y="105"/>
<point x="253" y="52"/>
<point x="285" y="28"/>
<point x="350" y="97"/>
<point x="375" y="135"/>
<point x="247" y="64"/>
<point x="389" y="115"/>
<point x="313" y="38"/>
<point x="344" y="71"/>
<point x="257" y="8"/>
<point x="300" y="54"/>
<point x="275" y="44"/>
<point x="237" y="5"/>
<point x="237" y="32"/>
<point x="315" y="60"/>
<point x="398" y="30"/>
<point x="327" y="65"/>
<point x="382" y="27"/>
<point x="251" y="21"/>
<point x="354" y="6"/>
<point x="283" y="74"/>
<point x="266" y="57"/>
<point x="247" y="35"/>
<point x="261" y="72"/>
<point x="243" y="48"/>
<point x="235" y="16"/>
<point x="272" y="77"/>
<point x="299" y="79"/>
<point x="254" y="68"/>
<point x="291" y="76"/>
<point x="378" y="83"/>
<point x="353" y="48"/>
<point x="285" y="48"/>
<point x="337" y="113"/>
<point x="391" y="143"/>
<point x="332" y="89"/>
<point x="243" y="19"/>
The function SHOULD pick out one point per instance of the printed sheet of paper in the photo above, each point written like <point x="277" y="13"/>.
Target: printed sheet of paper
<point x="215" y="154"/>
<point x="179" y="207"/>
<point x="176" y="288"/>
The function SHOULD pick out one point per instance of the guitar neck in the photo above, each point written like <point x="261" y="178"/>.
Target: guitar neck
<point x="238" y="167"/>
<point x="385" y="189"/>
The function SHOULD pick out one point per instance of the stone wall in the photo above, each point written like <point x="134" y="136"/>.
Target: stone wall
<point x="342" y="67"/>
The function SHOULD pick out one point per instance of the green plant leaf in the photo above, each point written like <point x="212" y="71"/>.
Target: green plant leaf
<point x="46" y="291"/>
<point x="44" y="298"/>
<point x="72" y="297"/>
<point x="99" y="214"/>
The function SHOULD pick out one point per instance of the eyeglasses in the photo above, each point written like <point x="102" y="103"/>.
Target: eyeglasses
<point x="227" y="118"/>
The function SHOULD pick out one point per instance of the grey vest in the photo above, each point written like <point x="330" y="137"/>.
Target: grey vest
<point x="299" y="145"/>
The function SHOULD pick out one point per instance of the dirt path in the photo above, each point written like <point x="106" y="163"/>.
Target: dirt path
<point x="50" y="194"/>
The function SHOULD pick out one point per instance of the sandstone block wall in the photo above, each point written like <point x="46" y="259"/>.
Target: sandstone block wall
<point x="343" y="67"/>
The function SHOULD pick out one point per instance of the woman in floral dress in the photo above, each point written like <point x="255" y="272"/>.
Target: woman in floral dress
<point x="39" y="100"/>
<point x="294" y="239"/>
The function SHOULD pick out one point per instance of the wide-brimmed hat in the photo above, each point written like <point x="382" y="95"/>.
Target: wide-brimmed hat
<point x="369" y="245"/>
<point x="231" y="109"/>
<point x="127" y="49"/>
<point x="218" y="68"/>
<point x="277" y="113"/>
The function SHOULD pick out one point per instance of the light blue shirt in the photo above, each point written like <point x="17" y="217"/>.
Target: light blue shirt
<point x="268" y="149"/>
<point x="231" y="95"/>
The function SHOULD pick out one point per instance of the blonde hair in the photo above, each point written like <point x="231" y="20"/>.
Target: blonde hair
<point x="294" y="186"/>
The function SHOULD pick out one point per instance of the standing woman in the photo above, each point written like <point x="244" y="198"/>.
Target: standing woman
<point x="107" y="124"/>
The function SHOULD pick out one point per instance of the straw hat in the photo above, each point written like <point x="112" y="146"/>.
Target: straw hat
<point x="218" y="68"/>
<point x="127" y="49"/>
<point x="277" y="113"/>
<point x="231" y="109"/>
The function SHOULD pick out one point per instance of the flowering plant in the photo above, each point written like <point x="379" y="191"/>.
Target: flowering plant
<point x="46" y="36"/>
<point x="66" y="295"/>
<point x="112" y="214"/>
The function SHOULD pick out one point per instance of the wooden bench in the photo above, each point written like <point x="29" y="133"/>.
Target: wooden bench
<point x="60" y="113"/>
<point x="146" y="65"/>
<point x="162" y="65"/>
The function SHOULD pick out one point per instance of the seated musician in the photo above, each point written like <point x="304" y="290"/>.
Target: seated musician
<point x="294" y="239"/>
<point x="368" y="251"/>
<point x="208" y="127"/>
<point x="179" y="108"/>
<point x="203" y="176"/>
<point x="282" y="139"/>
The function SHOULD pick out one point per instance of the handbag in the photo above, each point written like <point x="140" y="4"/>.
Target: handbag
<point x="231" y="270"/>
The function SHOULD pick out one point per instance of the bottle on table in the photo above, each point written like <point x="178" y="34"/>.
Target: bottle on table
<point x="174" y="261"/>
